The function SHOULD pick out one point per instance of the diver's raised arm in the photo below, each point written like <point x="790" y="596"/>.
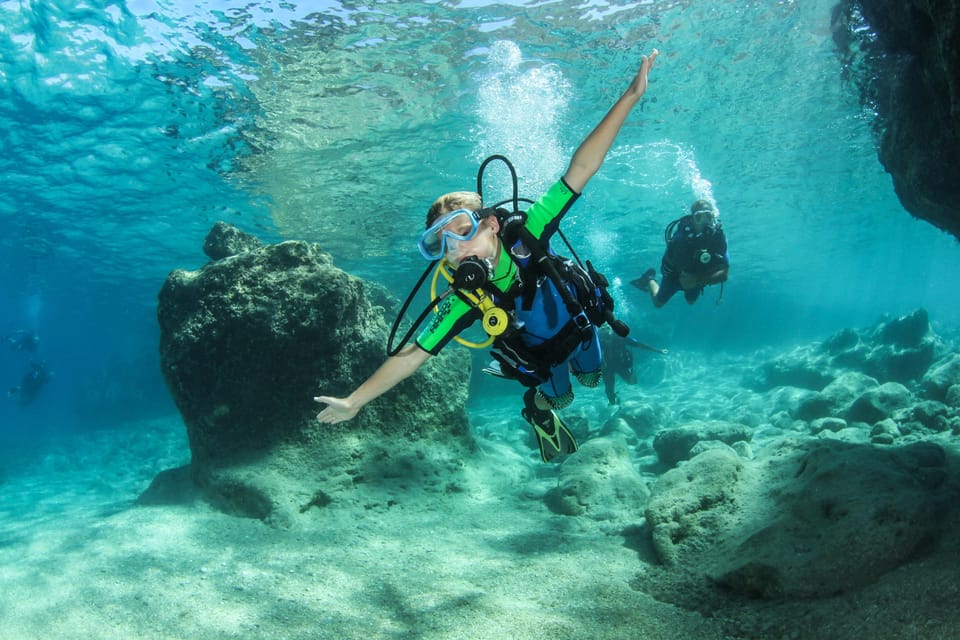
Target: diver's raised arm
<point x="590" y="154"/>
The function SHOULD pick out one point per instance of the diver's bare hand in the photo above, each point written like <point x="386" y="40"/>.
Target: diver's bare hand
<point x="337" y="410"/>
<point x="639" y="84"/>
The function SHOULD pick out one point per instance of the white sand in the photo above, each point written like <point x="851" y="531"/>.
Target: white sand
<point x="79" y="560"/>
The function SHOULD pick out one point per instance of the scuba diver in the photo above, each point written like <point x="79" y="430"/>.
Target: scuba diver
<point x="23" y="340"/>
<point x="617" y="361"/>
<point x="541" y="310"/>
<point x="696" y="257"/>
<point x="30" y="385"/>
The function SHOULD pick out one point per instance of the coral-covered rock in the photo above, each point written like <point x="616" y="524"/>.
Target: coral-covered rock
<point x="245" y="344"/>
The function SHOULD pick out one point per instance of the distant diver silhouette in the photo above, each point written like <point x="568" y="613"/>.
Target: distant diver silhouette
<point x="23" y="340"/>
<point x="31" y="384"/>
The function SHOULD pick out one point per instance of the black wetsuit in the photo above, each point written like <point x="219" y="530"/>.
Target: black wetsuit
<point x="617" y="361"/>
<point x="699" y="254"/>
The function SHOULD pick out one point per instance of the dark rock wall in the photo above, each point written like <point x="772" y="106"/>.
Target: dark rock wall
<point x="904" y="56"/>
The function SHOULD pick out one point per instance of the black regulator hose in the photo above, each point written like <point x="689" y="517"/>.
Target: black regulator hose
<point x="391" y="351"/>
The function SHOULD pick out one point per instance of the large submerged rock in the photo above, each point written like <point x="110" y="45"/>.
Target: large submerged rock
<point x="904" y="55"/>
<point x="809" y="519"/>
<point x="245" y="344"/>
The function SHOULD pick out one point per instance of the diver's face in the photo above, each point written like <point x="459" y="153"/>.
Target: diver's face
<point x="483" y="244"/>
<point x="702" y="220"/>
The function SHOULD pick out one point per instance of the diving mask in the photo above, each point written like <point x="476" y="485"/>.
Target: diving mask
<point x="437" y="240"/>
<point x="704" y="218"/>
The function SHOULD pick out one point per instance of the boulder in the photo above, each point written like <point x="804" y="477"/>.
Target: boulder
<point x="807" y="519"/>
<point x="689" y="503"/>
<point x="225" y="240"/>
<point x="836" y="397"/>
<point x="898" y="349"/>
<point x="876" y="404"/>
<point x="856" y="511"/>
<point x="801" y="368"/>
<point x="245" y="344"/>
<point x="932" y="415"/>
<point x="828" y="424"/>
<point x="939" y="378"/>
<point x="674" y="445"/>
<point x="902" y="348"/>
<point x="600" y="483"/>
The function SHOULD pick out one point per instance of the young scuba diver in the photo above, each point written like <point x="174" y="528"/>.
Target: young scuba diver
<point x="509" y="258"/>
<point x="696" y="256"/>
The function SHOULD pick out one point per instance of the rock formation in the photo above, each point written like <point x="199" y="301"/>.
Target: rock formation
<point x="852" y="481"/>
<point x="904" y="55"/>
<point x="245" y="344"/>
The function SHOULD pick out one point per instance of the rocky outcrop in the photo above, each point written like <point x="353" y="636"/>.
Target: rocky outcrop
<point x="681" y="442"/>
<point x="904" y="55"/>
<point x="804" y="520"/>
<point x="245" y="344"/>
<point x="894" y="382"/>
<point x="600" y="483"/>
<point x="895" y="350"/>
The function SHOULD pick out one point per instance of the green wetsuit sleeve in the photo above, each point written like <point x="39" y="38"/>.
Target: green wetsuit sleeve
<point x="544" y="215"/>
<point x="452" y="316"/>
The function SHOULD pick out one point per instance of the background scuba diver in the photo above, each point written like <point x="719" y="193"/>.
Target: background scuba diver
<point x="619" y="361"/>
<point x="465" y="237"/>
<point x="23" y="340"/>
<point x="696" y="257"/>
<point x="30" y="385"/>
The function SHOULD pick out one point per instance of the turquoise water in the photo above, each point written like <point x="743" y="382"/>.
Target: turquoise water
<point x="128" y="128"/>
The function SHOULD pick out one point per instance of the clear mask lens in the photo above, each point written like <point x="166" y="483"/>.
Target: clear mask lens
<point x="439" y="240"/>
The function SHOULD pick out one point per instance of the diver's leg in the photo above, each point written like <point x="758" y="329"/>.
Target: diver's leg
<point x="553" y="436"/>
<point x="587" y="361"/>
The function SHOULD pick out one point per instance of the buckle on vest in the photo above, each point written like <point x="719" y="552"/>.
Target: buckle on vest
<point x="581" y="321"/>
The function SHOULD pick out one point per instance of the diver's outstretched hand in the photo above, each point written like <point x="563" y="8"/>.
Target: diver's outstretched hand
<point x="639" y="85"/>
<point x="337" y="410"/>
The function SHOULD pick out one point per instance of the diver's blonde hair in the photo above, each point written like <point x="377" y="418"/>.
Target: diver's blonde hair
<point x="451" y="202"/>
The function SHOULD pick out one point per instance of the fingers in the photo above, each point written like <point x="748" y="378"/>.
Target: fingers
<point x="336" y="411"/>
<point x="324" y="418"/>
<point x="329" y="414"/>
<point x="649" y="59"/>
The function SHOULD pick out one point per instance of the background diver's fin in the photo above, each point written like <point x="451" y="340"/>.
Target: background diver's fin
<point x="494" y="369"/>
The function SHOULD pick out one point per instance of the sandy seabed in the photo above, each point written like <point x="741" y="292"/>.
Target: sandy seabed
<point x="79" y="559"/>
